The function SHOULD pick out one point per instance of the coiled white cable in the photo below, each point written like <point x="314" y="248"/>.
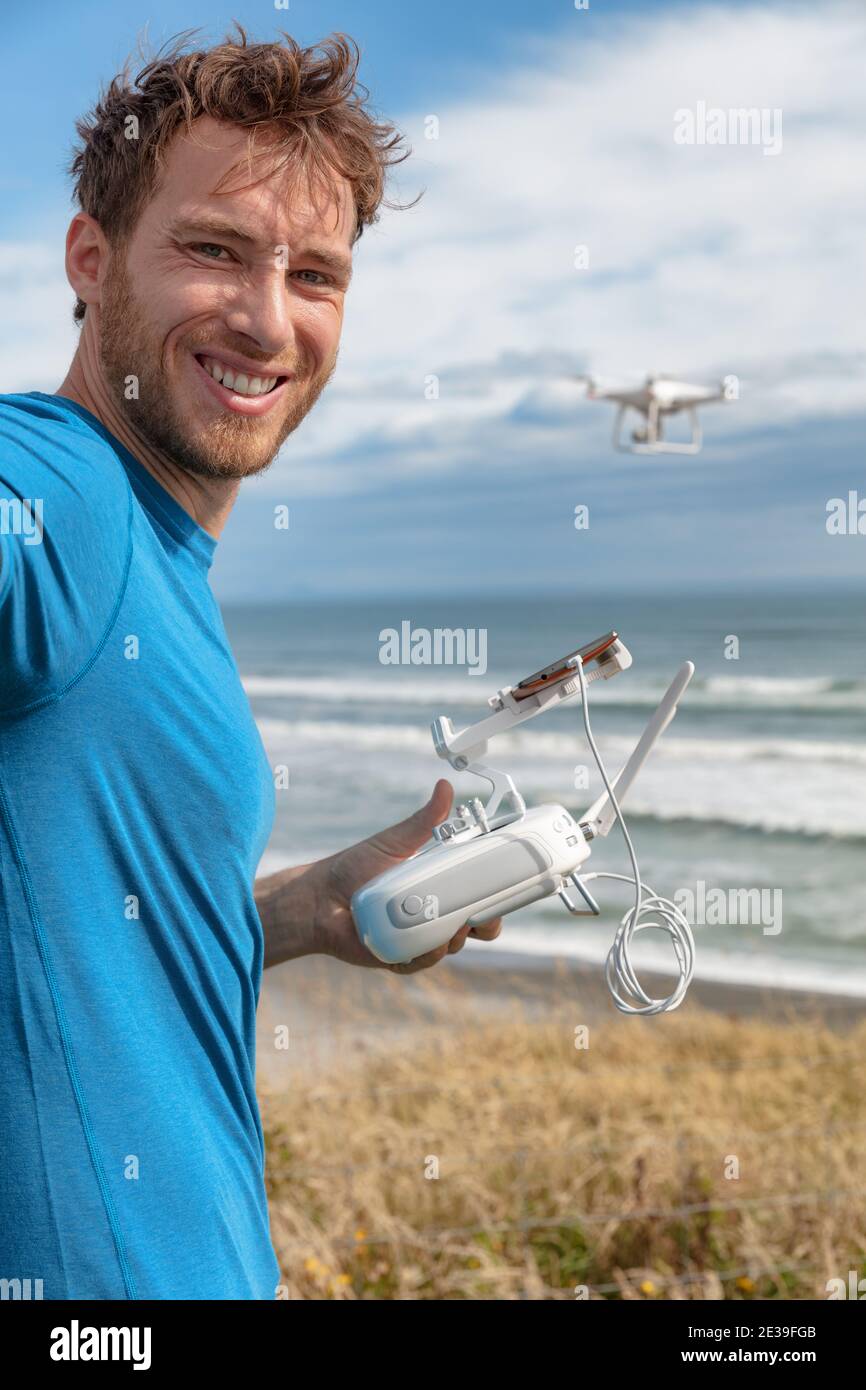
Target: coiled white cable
<point x="624" y="986"/>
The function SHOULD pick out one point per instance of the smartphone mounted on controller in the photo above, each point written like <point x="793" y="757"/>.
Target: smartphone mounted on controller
<point x="565" y="667"/>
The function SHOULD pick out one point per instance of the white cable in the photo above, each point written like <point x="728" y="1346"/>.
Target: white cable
<point x="621" y="979"/>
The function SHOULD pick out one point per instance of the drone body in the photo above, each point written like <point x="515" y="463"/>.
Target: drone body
<point x="657" y="399"/>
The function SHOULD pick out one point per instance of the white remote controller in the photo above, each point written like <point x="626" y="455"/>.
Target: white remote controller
<point x="468" y="876"/>
<point x="484" y="863"/>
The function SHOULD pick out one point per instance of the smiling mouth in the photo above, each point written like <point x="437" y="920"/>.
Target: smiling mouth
<point x="242" y="383"/>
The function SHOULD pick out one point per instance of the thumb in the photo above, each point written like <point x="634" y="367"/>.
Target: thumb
<point x="408" y="835"/>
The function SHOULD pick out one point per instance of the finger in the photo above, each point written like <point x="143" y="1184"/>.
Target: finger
<point x="458" y="940"/>
<point x="421" y="962"/>
<point x="488" y="931"/>
<point x="408" y="835"/>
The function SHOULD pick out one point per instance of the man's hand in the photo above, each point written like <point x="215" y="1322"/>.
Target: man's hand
<point x="305" y="911"/>
<point x="350" y="870"/>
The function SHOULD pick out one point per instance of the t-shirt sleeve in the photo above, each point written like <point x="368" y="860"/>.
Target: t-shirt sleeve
<point x="65" y="522"/>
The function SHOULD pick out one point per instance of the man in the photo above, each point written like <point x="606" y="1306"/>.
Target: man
<point x="221" y="194"/>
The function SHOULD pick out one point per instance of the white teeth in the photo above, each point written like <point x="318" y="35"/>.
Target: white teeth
<point x="244" y="385"/>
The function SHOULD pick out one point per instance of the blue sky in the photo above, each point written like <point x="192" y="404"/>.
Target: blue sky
<point x="555" y="130"/>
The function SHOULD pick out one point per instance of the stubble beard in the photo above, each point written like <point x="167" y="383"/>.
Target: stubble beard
<point x="231" y="446"/>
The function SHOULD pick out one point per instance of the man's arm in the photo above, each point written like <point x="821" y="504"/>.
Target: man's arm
<point x="288" y="903"/>
<point x="305" y="910"/>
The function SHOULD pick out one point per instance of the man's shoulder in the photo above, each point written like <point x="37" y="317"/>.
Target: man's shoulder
<point x="32" y="418"/>
<point x="41" y="413"/>
<point x="51" y="447"/>
<point x="65" y="544"/>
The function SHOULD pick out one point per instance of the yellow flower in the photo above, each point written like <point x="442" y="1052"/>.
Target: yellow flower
<point x="647" y="1287"/>
<point x="342" y="1280"/>
<point x="360" y="1235"/>
<point x="745" y="1285"/>
<point x="311" y="1264"/>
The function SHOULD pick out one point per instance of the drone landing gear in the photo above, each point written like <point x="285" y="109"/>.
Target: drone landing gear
<point x="649" y="438"/>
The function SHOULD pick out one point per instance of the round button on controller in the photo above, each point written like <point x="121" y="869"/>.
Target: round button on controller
<point x="412" y="905"/>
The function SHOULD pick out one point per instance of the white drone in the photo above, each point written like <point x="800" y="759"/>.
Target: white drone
<point x="658" y="397"/>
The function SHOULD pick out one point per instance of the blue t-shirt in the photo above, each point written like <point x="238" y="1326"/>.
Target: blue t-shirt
<point x="135" y="802"/>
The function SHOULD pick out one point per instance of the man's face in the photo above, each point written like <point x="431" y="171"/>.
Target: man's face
<point x="216" y="297"/>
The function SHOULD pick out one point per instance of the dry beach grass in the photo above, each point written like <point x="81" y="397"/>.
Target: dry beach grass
<point x="498" y="1154"/>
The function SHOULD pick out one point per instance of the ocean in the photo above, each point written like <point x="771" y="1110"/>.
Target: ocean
<point x="752" y="807"/>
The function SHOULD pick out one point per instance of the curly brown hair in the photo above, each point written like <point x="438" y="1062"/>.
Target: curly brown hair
<point x="308" y="101"/>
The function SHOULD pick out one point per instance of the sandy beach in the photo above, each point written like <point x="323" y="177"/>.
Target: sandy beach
<point x="327" y="1006"/>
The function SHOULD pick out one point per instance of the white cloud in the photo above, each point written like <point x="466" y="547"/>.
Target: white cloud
<point x="703" y="260"/>
<point x="39" y="337"/>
